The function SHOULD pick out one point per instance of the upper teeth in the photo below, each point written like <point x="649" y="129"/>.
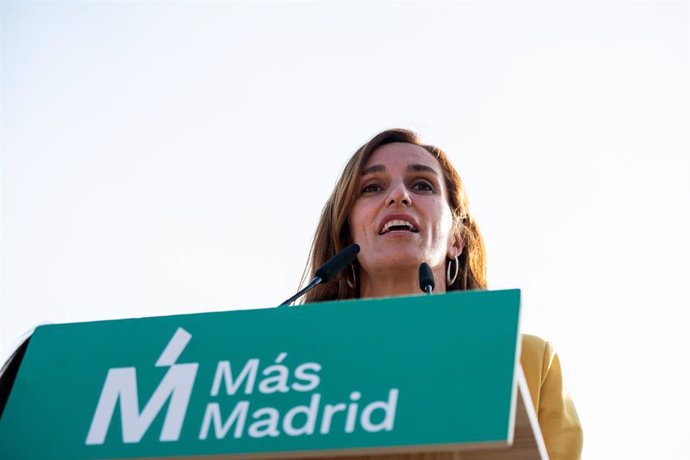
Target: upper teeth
<point x="396" y="222"/>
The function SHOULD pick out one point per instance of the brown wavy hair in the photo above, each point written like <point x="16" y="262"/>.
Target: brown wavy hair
<point x="333" y="231"/>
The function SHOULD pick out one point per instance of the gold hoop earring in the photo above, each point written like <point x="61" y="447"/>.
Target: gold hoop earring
<point x="451" y="279"/>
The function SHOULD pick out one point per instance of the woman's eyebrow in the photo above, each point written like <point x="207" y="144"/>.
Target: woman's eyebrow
<point x="422" y="168"/>
<point x="373" y="169"/>
<point x="416" y="167"/>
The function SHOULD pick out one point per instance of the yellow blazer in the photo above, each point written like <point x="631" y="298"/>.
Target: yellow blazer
<point x="558" y="419"/>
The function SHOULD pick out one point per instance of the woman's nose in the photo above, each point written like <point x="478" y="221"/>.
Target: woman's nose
<point x="398" y="193"/>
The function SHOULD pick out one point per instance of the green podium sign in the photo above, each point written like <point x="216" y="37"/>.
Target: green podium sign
<point x="310" y="380"/>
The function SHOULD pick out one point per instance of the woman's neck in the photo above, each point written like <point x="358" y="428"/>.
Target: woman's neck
<point x="397" y="283"/>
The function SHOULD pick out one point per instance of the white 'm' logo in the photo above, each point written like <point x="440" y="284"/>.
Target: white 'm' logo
<point x="121" y="383"/>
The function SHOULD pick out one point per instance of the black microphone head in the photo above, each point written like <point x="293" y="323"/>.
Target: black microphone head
<point x="337" y="263"/>
<point x="426" y="277"/>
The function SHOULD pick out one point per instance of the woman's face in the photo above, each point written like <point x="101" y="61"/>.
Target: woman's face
<point x="401" y="216"/>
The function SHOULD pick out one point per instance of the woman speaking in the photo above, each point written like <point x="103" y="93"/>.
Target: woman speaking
<point x="403" y="203"/>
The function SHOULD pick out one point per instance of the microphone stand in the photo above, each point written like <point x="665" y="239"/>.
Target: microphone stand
<point x="312" y="284"/>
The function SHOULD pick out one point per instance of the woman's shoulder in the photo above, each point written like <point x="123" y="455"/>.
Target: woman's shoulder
<point x="540" y="363"/>
<point x="536" y="355"/>
<point x="556" y="412"/>
<point x="534" y="344"/>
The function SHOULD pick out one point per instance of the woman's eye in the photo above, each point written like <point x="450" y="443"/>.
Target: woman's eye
<point x="371" y="188"/>
<point x="423" y="186"/>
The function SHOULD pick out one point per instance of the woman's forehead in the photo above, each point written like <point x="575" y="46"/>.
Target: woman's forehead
<point x="401" y="154"/>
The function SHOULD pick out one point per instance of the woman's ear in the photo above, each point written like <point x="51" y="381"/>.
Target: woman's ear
<point x="455" y="245"/>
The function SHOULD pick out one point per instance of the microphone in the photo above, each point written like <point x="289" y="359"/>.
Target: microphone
<point x="337" y="263"/>
<point x="426" y="278"/>
<point x="327" y="271"/>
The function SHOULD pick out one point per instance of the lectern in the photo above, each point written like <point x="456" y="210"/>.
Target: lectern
<point x="421" y="377"/>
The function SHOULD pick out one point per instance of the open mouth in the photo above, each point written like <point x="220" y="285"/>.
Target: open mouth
<point x="398" y="225"/>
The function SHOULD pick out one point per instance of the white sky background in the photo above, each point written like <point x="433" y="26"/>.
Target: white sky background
<point x="162" y="158"/>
